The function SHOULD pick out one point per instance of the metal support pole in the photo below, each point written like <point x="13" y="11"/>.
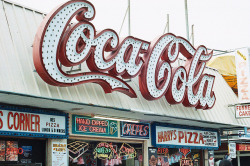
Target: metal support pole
<point x="192" y="34"/>
<point x="238" y="157"/>
<point x="186" y="14"/>
<point x="167" y="25"/>
<point x="129" y="26"/>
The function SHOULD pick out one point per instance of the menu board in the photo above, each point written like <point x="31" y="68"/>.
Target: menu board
<point x="11" y="151"/>
<point x="59" y="154"/>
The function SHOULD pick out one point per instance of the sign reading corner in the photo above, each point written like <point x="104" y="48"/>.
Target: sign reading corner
<point x="33" y="123"/>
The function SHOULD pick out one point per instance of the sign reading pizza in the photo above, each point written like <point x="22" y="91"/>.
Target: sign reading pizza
<point x="59" y="45"/>
<point x="166" y="136"/>
<point x="32" y="123"/>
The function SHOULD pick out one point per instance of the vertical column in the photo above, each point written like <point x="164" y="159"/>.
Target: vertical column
<point x="57" y="153"/>
<point x="145" y="153"/>
<point x="238" y="157"/>
<point x="205" y="157"/>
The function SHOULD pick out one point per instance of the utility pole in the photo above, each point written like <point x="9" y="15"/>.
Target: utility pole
<point x="186" y="14"/>
<point x="167" y="25"/>
<point x="192" y="34"/>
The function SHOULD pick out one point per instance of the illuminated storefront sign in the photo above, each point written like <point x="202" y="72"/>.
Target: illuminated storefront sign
<point x="162" y="151"/>
<point x="127" y="152"/>
<point x="174" y="137"/>
<point x="59" y="45"/>
<point x="92" y="126"/>
<point x="104" y="151"/>
<point x="184" y="152"/>
<point x="33" y="123"/>
<point x="186" y="162"/>
<point x="77" y="148"/>
<point x="135" y="129"/>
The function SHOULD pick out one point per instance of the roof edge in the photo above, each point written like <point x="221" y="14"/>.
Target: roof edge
<point x="23" y="6"/>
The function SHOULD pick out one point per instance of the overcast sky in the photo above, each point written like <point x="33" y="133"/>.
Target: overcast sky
<point x="218" y="24"/>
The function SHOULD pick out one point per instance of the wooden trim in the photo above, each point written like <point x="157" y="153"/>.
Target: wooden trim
<point x="108" y="139"/>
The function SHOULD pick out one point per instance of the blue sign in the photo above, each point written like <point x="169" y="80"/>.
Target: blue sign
<point x="135" y="130"/>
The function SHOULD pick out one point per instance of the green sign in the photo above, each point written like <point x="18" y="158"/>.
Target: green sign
<point x="92" y="126"/>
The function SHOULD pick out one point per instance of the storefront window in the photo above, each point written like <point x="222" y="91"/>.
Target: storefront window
<point x="93" y="153"/>
<point x="22" y="152"/>
<point x="12" y="151"/>
<point x="173" y="157"/>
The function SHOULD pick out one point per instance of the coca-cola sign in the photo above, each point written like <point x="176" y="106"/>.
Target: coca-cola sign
<point x="59" y="43"/>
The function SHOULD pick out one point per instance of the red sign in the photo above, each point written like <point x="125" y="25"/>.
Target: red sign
<point x="185" y="152"/>
<point x="243" y="147"/>
<point x="163" y="151"/>
<point x="127" y="152"/>
<point x="59" y="45"/>
<point x="186" y="162"/>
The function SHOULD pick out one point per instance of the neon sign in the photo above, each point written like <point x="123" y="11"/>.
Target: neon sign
<point x="14" y="151"/>
<point x="184" y="152"/>
<point x="186" y="162"/>
<point x="127" y="152"/>
<point x="135" y="129"/>
<point x="162" y="151"/>
<point x="104" y="151"/>
<point x="59" y="44"/>
<point x="92" y="126"/>
<point x="77" y="148"/>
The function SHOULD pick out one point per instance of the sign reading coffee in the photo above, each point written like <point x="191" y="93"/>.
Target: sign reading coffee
<point x="135" y="129"/>
<point x="30" y="123"/>
<point x="169" y="136"/>
<point x="59" y="45"/>
<point x="91" y="126"/>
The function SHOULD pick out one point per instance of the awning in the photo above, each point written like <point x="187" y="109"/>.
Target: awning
<point x="89" y="108"/>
